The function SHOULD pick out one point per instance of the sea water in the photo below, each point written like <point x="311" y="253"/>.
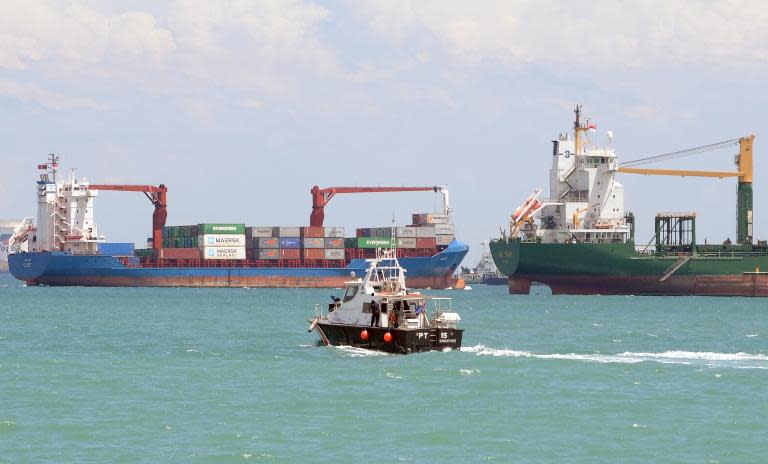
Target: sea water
<point x="231" y="375"/>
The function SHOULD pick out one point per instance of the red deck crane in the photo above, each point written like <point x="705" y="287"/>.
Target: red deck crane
<point x="321" y="197"/>
<point x="158" y="197"/>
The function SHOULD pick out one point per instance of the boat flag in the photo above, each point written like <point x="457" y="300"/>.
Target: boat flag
<point x="592" y="127"/>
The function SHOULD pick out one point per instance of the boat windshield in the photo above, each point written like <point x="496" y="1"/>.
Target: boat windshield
<point x="350" y="293"/>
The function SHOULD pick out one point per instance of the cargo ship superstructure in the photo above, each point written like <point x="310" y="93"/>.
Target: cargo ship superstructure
<point x="580" y="240"/>
<point x="65" y="247"/>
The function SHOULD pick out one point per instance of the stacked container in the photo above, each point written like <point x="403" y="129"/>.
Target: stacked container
<point x="295" y="243"/>
<point x="180" y="236"/>
<point x="222" y="241"/>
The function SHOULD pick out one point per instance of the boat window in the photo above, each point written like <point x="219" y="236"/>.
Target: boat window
<point x="350" y="293"/>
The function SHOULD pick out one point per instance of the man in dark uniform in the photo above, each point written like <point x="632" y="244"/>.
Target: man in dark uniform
<point x="375" y="313"/>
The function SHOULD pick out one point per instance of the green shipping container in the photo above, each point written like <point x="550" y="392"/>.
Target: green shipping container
<point x="350" y="242"/>
<point x="374" y="242"/>
<point x="226" y="229"/>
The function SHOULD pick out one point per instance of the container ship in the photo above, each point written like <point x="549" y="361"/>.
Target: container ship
<point x="581" y="241"/>
<point x="64" y="247"/>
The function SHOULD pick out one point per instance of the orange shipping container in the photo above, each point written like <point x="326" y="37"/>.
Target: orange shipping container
<point x="318" y="232"/>
<point x="313" y="253"/>
<point x="290" y="253"/>
<point x="426" y="242"/>
<point x="178" y="253"/>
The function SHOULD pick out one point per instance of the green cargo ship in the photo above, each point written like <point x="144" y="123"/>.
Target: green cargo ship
<point x="584" y="241"/>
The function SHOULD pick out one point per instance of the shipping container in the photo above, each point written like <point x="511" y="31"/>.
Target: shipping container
<point x="235" y="229"/>
<point x="381" y="232"/>
<point x="334" y="232"/>
<point x="444" y="239"/>
<point x="406" y="242"/>
<point x="334" y="253"/>
<point x="430" y="218"/>
<point x="365" y="232"/>
<point x="268" y="243"/>
<point x="374" y="242"/>
<point x="426" y="242"/>
<point x="269" y="254"/>
<point x="223" y="253"/>
<point x="312" y="242"/>
<point x="407" y="232"/>
<point x="290" y="242"/>
<point x="178" y="253"/>
<point x="290" y="253"/>
<point x="444" y="229"/>
<point x="334" y="243"/>
<point x="425" y="232"/>
<point x="225" y="240"/>
<point x="317" y="232"/>
<point x="313" y="253"/>
<point x="289" y="231"/>
<point x="350" y="242"/>
<point x="116" y="249"/>
<point x="261" y="232"/>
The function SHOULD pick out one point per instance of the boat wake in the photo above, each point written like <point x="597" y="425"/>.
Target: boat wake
<point x="703" y="358"/>
<point x="355" y="352"/>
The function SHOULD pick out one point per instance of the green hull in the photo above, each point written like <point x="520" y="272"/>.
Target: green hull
<point x="616" y="268"/>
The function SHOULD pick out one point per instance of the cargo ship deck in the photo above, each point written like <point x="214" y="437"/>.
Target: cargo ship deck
<point x="62" y="268"/>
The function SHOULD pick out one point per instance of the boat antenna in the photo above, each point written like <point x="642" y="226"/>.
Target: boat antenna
<point x="53" y="165"/>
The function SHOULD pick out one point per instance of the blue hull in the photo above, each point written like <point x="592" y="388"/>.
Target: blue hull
<point x="58" y="268"/>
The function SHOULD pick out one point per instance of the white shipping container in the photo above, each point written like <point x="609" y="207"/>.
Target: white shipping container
<point x="224" y="253"/>
<point x="409" y="232"/>
<point x="444" y="229"/>
<point x="444" y="239"/>
<point x="260" y="232"/>
<point x="425" y="232"/>
<point x="334" y="253"/>
<point x="406" y="242"/>
<point x="430" y="218"/>
<point x="290" y="231"/>
<point x="215" y="240"/>
<point x="334" y="232"/>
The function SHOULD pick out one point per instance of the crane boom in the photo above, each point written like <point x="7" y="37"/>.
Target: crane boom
<point x="680" y="172"/>
<point x="321" y="197"/>
<point x="745" y="167"/>
<point x="159" y="198"/>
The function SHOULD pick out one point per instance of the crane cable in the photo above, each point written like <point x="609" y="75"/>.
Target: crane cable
<point x="682" y="153"/>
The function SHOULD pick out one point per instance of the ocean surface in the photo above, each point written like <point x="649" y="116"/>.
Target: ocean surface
<point x="231" y="375"/>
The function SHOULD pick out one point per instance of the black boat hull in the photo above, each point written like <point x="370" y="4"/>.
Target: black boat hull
<point x="403" y="341"/>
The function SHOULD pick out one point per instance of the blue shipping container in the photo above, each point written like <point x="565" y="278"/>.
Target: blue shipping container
<point x="116" y="249"/>
<point x="290" y="242"/>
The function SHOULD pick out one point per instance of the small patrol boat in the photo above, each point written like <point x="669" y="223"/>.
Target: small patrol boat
<point x="406" y="323"/>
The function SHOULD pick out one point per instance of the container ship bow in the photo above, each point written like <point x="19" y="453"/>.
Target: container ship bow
<point x="64" y="246"/>
<point x="581" y="241"/>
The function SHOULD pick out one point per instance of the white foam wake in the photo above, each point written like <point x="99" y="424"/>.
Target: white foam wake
<point x="356" y="352"/>
<point x="707" y="358"/>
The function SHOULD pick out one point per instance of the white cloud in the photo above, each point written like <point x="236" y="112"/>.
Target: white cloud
<point x="601" y="33"/>
<point x="283" y="31"/>
<point x="27" y="93"/>
<point x="38" y="31"/>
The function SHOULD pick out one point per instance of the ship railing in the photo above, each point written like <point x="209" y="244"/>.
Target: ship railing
<point x="731" y="254"/>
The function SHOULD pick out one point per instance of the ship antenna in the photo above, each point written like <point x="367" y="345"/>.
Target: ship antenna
<point x="53" y="165"/>
<point x="577" y="128"/>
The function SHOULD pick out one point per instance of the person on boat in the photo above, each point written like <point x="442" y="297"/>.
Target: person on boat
<point x="419" y="308"/>
<point x="375" y="313"/>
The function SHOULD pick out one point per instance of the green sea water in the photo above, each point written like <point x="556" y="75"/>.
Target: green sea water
<point x="231" y="375"/>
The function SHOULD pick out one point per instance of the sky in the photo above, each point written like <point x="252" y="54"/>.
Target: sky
<point x="240" y="107"/>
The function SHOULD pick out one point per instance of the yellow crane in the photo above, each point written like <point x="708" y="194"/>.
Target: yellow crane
<point x="744" y="173"/>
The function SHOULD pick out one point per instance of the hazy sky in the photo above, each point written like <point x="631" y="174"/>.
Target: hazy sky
<point x="240" y="107"/>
